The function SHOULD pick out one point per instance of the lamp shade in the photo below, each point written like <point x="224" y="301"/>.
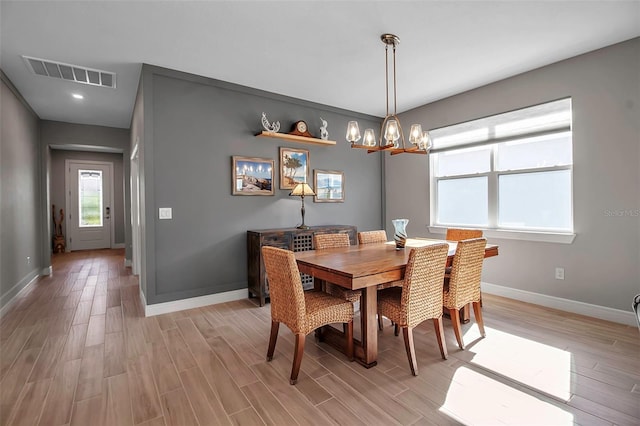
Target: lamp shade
<point x="302" y="189"/>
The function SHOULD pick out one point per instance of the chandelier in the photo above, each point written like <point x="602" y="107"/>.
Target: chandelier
<point x="391" y="134"/>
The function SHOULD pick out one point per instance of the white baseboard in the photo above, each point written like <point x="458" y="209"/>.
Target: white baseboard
<point x="118" y="246"/>
<point x="193" y="302"/>
<point x="602" y="312"/>
<point x="29" y="279"/>
<point x="47" y="271"/>
<point x="128" y="263"/>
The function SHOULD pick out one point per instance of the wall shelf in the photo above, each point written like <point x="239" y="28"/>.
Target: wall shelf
<point x="295" y="138"/>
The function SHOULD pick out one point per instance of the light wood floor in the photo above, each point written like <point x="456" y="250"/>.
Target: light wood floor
<point x="76" y="349"/>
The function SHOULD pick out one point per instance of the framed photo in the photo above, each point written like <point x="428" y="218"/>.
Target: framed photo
<point x="329" y="186"/>
<point x="294" y="167"/>
<point x="252" y="176"/>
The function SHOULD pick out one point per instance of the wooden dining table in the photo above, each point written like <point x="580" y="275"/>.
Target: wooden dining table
<point x="363" y="267"/>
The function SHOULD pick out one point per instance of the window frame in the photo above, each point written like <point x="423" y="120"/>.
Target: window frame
<point x="492" y="229"/>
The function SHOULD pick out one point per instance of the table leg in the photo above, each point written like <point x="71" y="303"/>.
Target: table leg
<point x="368" y="310"/>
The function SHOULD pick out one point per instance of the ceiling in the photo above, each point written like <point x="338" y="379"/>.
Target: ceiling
<point x="322" y="51"/>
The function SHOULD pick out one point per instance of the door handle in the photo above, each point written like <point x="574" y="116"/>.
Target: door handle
<point x="108" y="213"/>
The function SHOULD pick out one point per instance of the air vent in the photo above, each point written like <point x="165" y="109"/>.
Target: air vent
<point x="70" y="72"/>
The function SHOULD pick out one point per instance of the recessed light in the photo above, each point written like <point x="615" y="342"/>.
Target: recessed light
<point x="77" y="96"/>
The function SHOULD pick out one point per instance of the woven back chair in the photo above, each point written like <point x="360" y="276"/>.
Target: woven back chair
<point x="459" y="234"/>
<point x="371" y="237"/>
<point x="368" y="237"/>
<point x="301" y="311"/>
<point x="328" y="241"/>
<point x="464" y="283"/>
<point x="419" y="298"/>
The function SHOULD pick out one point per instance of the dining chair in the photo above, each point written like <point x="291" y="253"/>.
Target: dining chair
<point x="463" y="286"/>
<point x="371" y="237"/>
<point x="335" y="240"/>
<point x="368" y="237"/>
<point x="420" y="297"/>
<point x="636" y="307"/>
<point x="301" y="311"/>
<point x="459" y="234"/>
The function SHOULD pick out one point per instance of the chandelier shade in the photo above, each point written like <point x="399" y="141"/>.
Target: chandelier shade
<point x="391" y="134"/>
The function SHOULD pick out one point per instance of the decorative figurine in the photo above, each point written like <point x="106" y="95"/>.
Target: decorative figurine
<point x="324" y="134"/>
<point x="273" y="127"/>
<point x="58" y="239"/>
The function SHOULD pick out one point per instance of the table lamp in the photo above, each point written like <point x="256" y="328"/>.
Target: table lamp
<point x="300" y="190"/>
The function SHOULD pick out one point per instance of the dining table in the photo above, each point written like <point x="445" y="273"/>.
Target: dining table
<point x="363" y="267"/>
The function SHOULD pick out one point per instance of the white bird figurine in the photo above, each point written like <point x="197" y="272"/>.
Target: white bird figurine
<point x="324" y="134"/>
<point x="273" y="127"/>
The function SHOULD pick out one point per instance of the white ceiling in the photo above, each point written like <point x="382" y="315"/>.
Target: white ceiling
<point x="323" y="51"/>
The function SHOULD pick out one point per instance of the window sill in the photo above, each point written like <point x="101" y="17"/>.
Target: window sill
<point x="545" y="237"/>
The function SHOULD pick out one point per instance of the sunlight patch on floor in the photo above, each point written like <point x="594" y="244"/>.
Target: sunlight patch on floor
<point x="534" y="364"/>
<point x="476" y="399"/>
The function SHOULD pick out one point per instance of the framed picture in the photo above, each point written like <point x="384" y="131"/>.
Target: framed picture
<point x="294" y="167"/>
<point x="252" y="176"/>
<point x="329" y="186"/>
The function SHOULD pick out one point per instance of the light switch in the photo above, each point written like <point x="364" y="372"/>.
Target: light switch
<point x="164" y="212"/>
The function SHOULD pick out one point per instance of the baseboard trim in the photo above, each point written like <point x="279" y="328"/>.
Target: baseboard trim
<point x="193" y="302"/>
<point x="128" y="263"/>
<point x="595" y="311"/>
<point x="118" y="246"/>
<point x="47" y="271"/>
<point x="29" y="279"/>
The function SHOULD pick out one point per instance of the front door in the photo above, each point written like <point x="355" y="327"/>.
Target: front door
<point x="89" y="204"/>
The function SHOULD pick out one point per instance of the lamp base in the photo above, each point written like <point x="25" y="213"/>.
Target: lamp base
<point x="303" y="227"/>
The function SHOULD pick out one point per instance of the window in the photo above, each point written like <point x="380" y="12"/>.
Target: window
<point x="511" y="171"/>
<point x="90" y="192"/>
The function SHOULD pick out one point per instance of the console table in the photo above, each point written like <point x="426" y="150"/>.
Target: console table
<point x="293" y="239"/>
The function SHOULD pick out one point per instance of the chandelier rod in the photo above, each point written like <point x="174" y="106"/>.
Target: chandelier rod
<point x="395" y="100"/>
<point x="386" y="75"/>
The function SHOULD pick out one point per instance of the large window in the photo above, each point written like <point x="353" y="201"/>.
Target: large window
<point x="511" y="171"/>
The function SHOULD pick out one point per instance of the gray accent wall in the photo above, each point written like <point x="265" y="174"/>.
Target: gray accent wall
<point x="21" y="228"/>
<point x="191" y="126"/>
<point x="57" y="186"/>
<point x="602" y="264"/>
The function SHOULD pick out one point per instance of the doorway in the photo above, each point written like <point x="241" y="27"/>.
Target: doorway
<point x="89" y="204"/>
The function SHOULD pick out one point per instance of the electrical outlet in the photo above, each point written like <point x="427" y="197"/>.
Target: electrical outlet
<point x="559" y="273"/>
<point x="28" y="260"/>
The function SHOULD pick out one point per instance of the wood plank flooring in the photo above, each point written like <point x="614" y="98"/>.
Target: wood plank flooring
<point x="75" y="349"/>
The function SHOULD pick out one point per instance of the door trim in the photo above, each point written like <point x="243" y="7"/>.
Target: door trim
<point x="67" y="199"/>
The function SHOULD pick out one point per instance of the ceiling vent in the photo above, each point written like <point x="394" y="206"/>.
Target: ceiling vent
<point x="70" y="72"/>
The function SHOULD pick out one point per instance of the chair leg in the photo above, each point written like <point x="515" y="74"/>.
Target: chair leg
<point x="437" y="322"/>
<point x="477" y="312"/>
<point x="380" y="325"/>
<point x="411" y="351"/>
<point x="396" y="330"/>
<point x="457" y="328"/>
<point x="275" y="325"/>
<point x="297" y="358"/>
<point x="349" y="343"/>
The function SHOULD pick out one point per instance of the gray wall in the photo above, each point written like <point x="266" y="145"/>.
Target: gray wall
<point x="21" y="227"/>
<point x="192" y="128"/>
<point x="57" y="186"/>
<point x="601" y="266"/>
<point x="88" y="138"/>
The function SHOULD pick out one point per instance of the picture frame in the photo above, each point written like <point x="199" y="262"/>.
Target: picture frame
<point x="252" y="176"/>
<point x="328" y="186"/>
<point x="294" y="167"/>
